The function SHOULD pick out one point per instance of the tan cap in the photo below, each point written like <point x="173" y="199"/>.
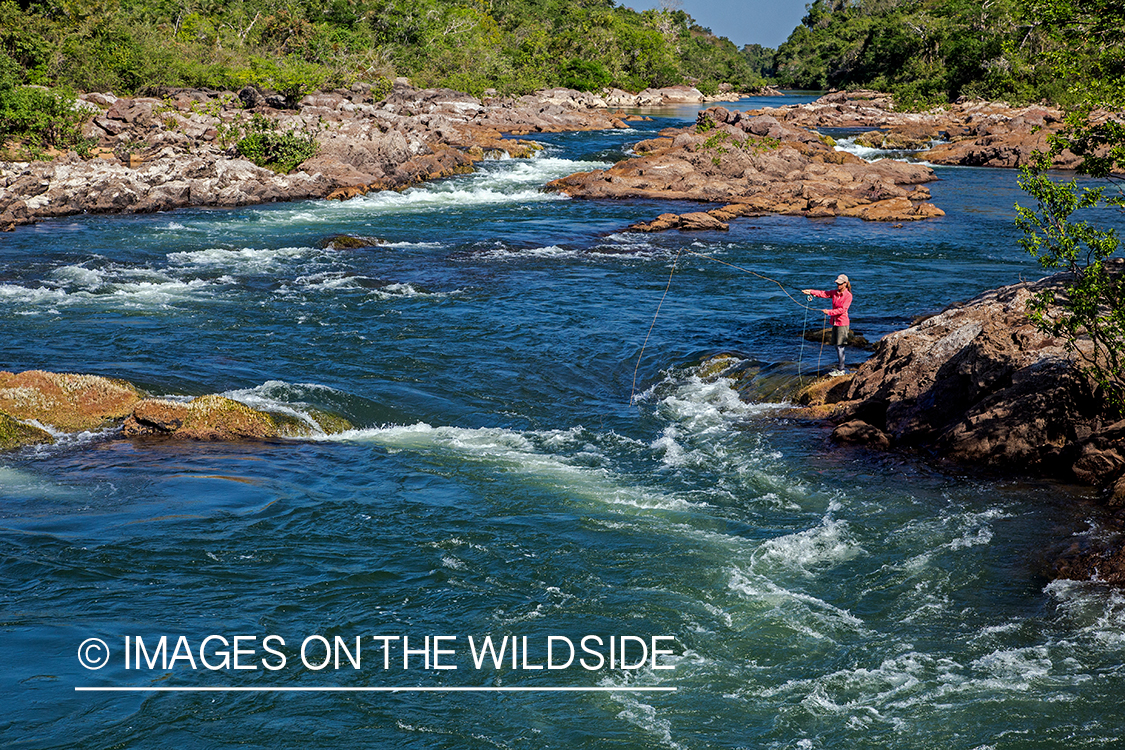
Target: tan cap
<point x="841" y="279"/>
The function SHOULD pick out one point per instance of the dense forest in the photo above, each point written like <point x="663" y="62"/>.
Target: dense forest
<point x="515" y="46"/>
<point x="929" y="52"/>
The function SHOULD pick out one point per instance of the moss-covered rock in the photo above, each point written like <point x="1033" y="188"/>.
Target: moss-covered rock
<point x="215" y="417"/>
<point x="14" y="434"/>
<point x="349" y="242"/>
<point x="330" y="424"/>
<point x="823" y="391"/>
<point x="717" y="365"/>
<point x="67" y="401"/>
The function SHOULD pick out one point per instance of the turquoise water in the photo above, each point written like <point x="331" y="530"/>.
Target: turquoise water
<point x="500" y="483"/>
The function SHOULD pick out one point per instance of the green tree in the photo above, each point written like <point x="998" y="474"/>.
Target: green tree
<point x="1089" y="311"/>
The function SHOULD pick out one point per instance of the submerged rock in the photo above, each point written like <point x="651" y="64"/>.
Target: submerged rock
<point x="823" y="391"/>
<point x="349" y="242"/>
<point x="824" y="336"/>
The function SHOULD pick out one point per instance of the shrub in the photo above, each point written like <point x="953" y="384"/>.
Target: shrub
<point x="281" y="152"/>
<point x="41" y="117"/>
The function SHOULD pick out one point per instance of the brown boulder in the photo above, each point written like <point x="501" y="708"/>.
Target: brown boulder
<point x="696" y="221"/>
<point x="858" y="431"/>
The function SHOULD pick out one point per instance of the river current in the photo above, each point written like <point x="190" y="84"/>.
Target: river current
<point x="500" y="482"/>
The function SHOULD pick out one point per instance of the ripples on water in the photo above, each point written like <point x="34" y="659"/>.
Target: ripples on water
<point x="499" y="482"/>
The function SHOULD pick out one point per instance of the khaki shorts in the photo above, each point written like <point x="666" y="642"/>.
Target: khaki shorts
<point x="839" y="335"/>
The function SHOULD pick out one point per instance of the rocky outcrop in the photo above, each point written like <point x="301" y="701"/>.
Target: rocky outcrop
<point x="967" y="133"/>
<point x="757" y="165"/>
<point x="69" y="402"/>
<point x="692" y="221"/>
<point x="979" y="384"/>
<point x="159" y="154"/>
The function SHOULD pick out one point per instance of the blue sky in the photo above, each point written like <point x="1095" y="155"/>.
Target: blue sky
<point x="765" y="22"/>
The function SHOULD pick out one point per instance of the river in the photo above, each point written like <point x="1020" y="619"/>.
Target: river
<point x="501" y="482"/>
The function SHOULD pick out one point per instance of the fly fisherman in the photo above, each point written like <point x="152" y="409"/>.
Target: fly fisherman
<point x="841" y="299"/>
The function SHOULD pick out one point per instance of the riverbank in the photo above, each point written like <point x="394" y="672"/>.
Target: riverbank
<point x="180" y="151"/>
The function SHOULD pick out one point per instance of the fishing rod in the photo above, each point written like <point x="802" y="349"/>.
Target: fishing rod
<point x="668" y="286"/>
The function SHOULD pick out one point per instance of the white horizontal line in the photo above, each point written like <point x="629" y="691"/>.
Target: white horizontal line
<point x="375" y="689"/>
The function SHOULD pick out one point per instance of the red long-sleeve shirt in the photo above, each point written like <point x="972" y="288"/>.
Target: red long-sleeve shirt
<point x="841" y="301"/>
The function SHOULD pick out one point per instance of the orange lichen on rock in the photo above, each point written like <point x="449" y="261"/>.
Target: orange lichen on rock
<point x="69" y="402"/>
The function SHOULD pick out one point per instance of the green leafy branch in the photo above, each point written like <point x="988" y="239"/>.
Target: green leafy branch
<point x="1091" y="304"/>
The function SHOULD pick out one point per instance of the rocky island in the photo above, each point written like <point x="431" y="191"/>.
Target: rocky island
<point x="756" y="164"/>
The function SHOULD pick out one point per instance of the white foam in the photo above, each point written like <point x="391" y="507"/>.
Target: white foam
<point x="405" y="245"/>
<point x="823" y="546"/>
<point x="330" y="281"/>
<point x="16" y="482"/>
<point x="122" y="286"/>
<point x="877" y="154"/>
<point x="549" y="252"/>
<point x="81" y="276"/>
<point x="1013" y="669"/>
<point x="703" y="416"/>
<point x="799" y="610"/>
<point x="247" y="258"/>
<point x="863" y="152"/>
<point x="1096" y="611"/>
<point x="281" y="397"/>
<point x="399" y="291"/>
<point x="643" y="716"/>
<point x="520" y="453"/>
<point x="14" y="294"/>
<point x="152" y="294"/>
<point x="426" y="200"/>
